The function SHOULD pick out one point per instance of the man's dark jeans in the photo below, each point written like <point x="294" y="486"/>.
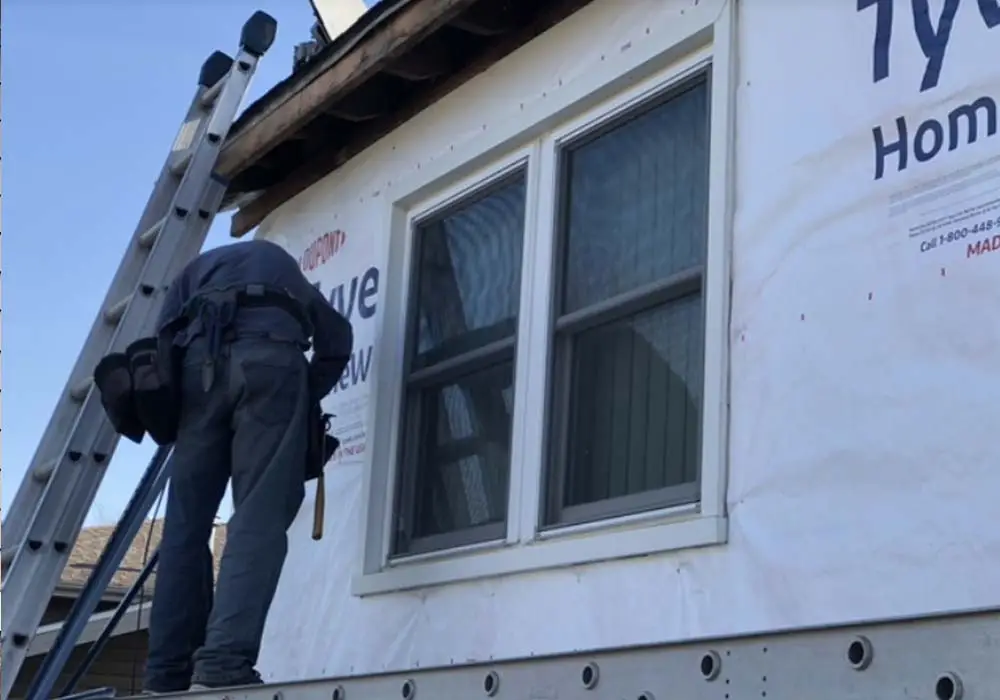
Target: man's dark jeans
<point x="249" y="426"/>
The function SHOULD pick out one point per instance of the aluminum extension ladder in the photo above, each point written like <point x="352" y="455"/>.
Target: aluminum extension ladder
<point x="58" y="489"/>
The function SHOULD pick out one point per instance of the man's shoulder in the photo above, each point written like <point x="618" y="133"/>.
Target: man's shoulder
<point x="254" y="246"/>
<point x="265" y="247"/>
<point x="251" y="252"/>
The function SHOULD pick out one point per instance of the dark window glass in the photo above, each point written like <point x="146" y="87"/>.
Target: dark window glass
<point x="470" y="275"/>
<point x="627" y="370"/>
<point x="463" y="470"/>
<point x="455" y="462"/>
<point x="635" y="404"/>
<point x="636" y="202"/>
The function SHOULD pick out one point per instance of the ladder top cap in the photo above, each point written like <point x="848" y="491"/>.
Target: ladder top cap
<point x="214" y="68"/>
<point x="258" y="33"/>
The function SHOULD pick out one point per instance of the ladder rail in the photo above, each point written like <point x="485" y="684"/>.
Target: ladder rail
<point x="150" y="486"/>
<point x="97" y="646"/>
<point x="127" y="278"/>
<point x="77" y="472"/>
<point x="50" y="515"/>
<point x="944" y="656"/>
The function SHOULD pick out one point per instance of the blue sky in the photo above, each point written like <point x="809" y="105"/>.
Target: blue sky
<point x="93" y="94"/>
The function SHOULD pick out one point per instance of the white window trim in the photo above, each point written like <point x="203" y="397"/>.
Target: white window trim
<point x="451" y="178"/>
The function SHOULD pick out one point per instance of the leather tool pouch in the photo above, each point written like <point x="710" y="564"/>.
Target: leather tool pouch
<point x="153" y="365"/>
<point x="114" y="384"/>
<point x="322" y="445"/>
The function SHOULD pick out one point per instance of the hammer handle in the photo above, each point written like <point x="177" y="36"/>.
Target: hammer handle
<point x="319" y="508"/>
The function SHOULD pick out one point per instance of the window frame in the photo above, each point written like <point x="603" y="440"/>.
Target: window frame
<point x="649" y="297"/>
<point x="379" y="568"/>
<point x="439" y="374"/>
<point x="704" y="38"/>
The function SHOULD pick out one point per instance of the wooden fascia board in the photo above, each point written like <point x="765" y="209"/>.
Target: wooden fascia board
<point x="322" y="164"/>
<point x="337" y="75"/>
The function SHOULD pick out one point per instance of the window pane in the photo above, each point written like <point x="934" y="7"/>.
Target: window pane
<point x="636" y="201"/>
<point x="470" y="274"/>
<point x="460" y="479"/>
<point x="635" y="404"/>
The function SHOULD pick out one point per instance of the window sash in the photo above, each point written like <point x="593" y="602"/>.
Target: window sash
<point x="414" y="455"/>
<point x="677" y="285"/>
<point x="470" y="361"/>
<point x="619" y="119"/>
<point x="449" y="540"/>
<point x="553" y="514"/>
<point x="461" y="356"/>
<point x="488" y="335"/>
<point x="620" y="506"/>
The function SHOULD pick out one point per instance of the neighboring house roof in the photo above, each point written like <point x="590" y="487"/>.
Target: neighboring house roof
<point x="91" y="542"/>
<point x="135" y="618"/>
<point x="398" y="59"/>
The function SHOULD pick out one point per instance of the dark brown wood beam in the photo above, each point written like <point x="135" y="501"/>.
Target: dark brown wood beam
<point x="326" y="161"/>
<point x="429" y="60"/>
<point x="326" y="81"/>
<point x="368" y="102"/>
<point x="319" y="126"/>
<point x="322" y="126"/>
<point x="487" y="18"/>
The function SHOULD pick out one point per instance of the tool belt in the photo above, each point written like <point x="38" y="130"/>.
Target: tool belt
<point x="140" y="388"/>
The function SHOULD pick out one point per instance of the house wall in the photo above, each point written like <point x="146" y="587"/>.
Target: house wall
<point x="120" y="665"/>
<point x="862" y="348"/>
<point x="59" y="608"/>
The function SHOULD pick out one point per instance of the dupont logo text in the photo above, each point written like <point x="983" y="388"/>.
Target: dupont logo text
<point x="322" y="250"/>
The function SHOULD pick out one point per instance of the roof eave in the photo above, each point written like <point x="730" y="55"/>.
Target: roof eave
<point x="377" y="38"/>
<point x="351" y="96"/>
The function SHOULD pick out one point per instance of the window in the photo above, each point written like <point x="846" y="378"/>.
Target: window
<point x="553" y="378"/>
<point x="454" y="466"/>
<point x="628" y="320"/>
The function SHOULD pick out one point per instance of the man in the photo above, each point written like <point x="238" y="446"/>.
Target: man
<point x="245" y="313"/>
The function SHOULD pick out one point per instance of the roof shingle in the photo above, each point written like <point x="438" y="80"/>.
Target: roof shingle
<point x="92" y="540"/>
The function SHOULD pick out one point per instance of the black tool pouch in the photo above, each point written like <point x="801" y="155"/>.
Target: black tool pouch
<point x="114" y="384"/>
<point x="153" y="366"/>
<point x="322" y="445"/>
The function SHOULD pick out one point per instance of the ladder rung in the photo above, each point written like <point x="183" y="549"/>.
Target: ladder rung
<point x="208" y="99"/>
<point x="113" y="314"/>
<point x="180" y="165"/>
<point x="80" y="391"/>
<point x="43" y="471"/>
<point x="210" y="95"/>
<point x="148" y="237"/>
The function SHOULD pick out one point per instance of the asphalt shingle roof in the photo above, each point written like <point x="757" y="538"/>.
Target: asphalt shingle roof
<point x="92" y="540"/>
